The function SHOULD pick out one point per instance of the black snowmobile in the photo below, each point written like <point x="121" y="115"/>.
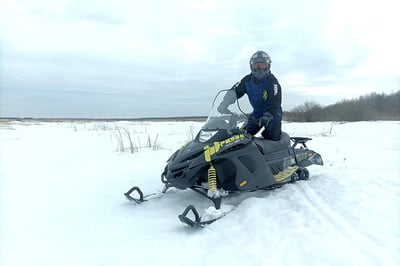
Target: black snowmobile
<point x="224" y="159"/>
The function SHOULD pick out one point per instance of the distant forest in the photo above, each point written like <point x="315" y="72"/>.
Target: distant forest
<point x="374" y="106"/>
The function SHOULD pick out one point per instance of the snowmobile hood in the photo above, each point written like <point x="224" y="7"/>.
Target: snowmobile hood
<point x="195" y="152"/>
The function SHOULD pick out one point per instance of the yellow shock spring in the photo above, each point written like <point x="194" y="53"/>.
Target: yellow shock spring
<point x="212" y="179"/>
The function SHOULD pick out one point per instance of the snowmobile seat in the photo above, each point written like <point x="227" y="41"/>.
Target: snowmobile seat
<point x="270" y="146"/>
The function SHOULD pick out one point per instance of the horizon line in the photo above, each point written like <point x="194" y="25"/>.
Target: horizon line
<point x="182" y="118"/>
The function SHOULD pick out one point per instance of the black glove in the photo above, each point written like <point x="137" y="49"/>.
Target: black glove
<point x="252" y="120"/>
<point x="265" y="119"/>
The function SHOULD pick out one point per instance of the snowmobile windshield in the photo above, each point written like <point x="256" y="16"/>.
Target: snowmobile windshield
<point x="225" y="113"/>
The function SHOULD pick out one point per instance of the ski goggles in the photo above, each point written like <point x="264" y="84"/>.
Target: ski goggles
<point x="259" y="65"/>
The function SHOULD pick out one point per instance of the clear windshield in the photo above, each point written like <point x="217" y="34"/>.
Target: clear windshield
<point x="225" y="113"/>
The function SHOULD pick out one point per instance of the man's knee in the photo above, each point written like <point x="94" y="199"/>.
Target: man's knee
<point x="273" y="132"/>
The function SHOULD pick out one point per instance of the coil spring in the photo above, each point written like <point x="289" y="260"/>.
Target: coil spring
<point x="212" y="179"/>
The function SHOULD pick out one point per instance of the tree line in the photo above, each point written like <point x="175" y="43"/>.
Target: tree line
<point x="375" y="106"/>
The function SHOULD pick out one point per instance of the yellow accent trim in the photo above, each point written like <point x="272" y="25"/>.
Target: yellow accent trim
<point x="209" y="151"/>
<point x="285" y="173"/>
<point x="265" y="95"/>
<point x="243" y="183"/>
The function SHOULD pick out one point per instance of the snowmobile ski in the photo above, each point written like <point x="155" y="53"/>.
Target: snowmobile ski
<point x="218" y="211"/>
<point x="137" y="200"/>
<point x="141" y="197"/>
<point x="211" y="215"/>
<point x="196" y="222"/>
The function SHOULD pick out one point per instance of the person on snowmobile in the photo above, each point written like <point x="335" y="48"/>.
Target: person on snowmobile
<point x="264" y="93"/>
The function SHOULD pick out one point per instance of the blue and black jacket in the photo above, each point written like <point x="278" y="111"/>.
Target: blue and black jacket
<point x="264" y="95"/>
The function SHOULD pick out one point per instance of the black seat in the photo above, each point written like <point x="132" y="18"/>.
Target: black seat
<point x="270" y="146"/>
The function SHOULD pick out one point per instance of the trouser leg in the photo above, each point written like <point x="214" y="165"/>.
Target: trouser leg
<point x="273" y="132"/>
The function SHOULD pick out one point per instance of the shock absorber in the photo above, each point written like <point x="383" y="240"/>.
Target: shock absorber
<point x="212" y="179"/>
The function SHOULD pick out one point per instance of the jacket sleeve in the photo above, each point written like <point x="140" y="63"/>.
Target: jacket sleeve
<point x="275" y="99"/>
<point x="236" y="92"/>
<point x="240" y="88"/>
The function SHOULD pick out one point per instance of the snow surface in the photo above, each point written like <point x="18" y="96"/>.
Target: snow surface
<point x="62" y="200"/>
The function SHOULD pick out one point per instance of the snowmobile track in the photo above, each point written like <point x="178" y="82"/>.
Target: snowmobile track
<point x="327" y="214"/>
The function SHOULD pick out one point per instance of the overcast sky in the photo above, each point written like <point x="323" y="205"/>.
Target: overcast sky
<point x="80" y="58"/>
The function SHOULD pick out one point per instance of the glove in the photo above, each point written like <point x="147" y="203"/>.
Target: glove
<point x="265" y="119"/>
<point x="252" y="120"/>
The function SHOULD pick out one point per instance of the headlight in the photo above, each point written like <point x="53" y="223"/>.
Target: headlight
<point x="206" y="135"/>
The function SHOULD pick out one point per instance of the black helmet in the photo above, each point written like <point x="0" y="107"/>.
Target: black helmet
<point x="260" y="64"/>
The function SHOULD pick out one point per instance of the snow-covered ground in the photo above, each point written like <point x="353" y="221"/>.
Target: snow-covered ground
<point x="62" y="200"/>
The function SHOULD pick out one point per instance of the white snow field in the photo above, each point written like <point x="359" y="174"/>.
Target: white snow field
<point x="62" y="200"/>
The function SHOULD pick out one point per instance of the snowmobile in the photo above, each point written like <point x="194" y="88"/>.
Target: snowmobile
<point x="224" y="159"/>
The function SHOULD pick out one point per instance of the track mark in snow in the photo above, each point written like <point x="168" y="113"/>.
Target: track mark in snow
<point x="337" y="206"/>
<point x="327" y="215"/>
